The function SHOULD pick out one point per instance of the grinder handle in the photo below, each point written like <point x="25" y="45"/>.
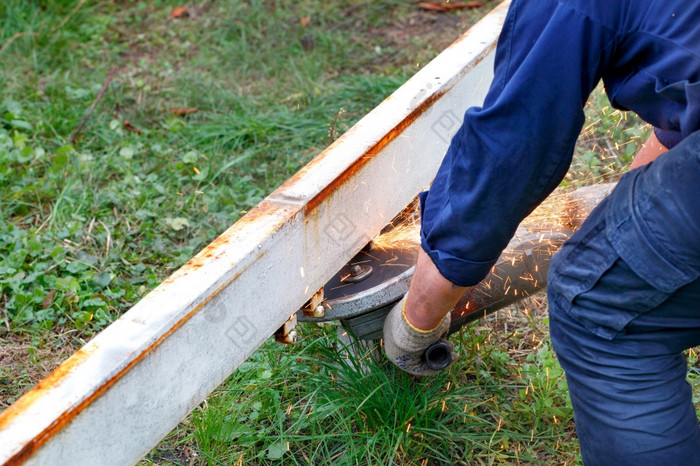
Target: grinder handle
<point x="438" y="355"/>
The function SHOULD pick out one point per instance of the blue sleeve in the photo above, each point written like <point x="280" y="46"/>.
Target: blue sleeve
<point x="669" y="139"/>
<point x="511" y="153"/>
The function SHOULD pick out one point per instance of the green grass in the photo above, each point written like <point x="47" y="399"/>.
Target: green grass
<point x="86" y="229"/>
<point x="608" y="142"/>
<point x="313" y="404"/>
<point x="89" y="227"/>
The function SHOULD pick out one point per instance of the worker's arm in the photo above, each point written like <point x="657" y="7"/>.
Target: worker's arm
<point x="431" y="295"/>
<point x="650" y="150"/>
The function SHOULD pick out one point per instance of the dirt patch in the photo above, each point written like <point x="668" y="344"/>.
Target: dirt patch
<point x="178" y="449"/>
<point x="438" y="29"/>
<point x="26" y="359"/>
<point x="417" y="37"/>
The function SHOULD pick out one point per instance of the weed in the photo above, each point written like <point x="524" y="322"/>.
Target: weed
<point x="314" y="405"/>
<point x="607" y="144"/>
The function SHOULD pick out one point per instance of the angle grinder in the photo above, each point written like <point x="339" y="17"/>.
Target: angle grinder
<point x="363" y="292"/>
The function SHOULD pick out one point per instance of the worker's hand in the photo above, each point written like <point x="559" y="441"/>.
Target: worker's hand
<point x="405" y="344"/>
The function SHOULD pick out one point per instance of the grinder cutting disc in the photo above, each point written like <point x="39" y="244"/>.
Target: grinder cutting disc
<point x="362" y="306"/>
<point x="369" y="268"/>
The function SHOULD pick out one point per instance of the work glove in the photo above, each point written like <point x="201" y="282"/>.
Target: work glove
<point x="405" y="344"/>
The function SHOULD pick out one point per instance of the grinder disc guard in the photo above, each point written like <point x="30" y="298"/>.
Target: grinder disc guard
<point x="346" y="298"/>
<point x="382" y="264"/>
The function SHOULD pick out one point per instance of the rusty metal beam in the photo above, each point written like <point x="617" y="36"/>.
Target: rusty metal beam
<point x="113" y="400"/>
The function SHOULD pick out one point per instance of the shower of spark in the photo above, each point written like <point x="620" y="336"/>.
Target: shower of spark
<point x="403" y="232"/>
<point x="401" y="236"/>
<point x="559" y="213"/>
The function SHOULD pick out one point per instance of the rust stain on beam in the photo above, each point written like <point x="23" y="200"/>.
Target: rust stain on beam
<point x="214" y="250"/>
<point x="51" y="381"/>
<point x="370" y="153"/>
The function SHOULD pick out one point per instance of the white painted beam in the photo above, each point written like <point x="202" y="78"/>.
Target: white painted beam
<point x="118" y="396"/>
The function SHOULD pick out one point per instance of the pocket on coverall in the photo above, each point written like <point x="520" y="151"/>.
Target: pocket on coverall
<point x="592" y="284"/>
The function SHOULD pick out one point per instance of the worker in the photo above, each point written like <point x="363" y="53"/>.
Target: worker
<point x="623" y="293"/>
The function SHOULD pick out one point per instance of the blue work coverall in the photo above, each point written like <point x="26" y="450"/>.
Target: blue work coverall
<point x="624" y="292"/>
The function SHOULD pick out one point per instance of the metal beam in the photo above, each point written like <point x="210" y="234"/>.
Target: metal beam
<point x="118" y="396"/>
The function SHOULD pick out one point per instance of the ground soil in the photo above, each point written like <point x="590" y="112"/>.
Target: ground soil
<point x="25" y="359"/>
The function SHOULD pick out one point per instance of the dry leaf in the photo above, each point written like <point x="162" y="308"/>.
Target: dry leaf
<point x="128" y="126"/>
<point x="305" y="21"/>
<point x="450" y="6"/>
<point x="182" y="111"/>
<point x="179" y="12"/>
<point x="48" y="300"/>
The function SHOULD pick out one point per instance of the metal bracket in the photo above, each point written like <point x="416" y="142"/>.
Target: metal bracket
<point x="287" y="333"/>
<point x="314" y="308"/>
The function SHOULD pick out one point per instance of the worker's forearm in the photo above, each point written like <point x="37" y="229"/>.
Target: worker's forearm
<point x="650" y="150"/>
<point x="431" y="296"/>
